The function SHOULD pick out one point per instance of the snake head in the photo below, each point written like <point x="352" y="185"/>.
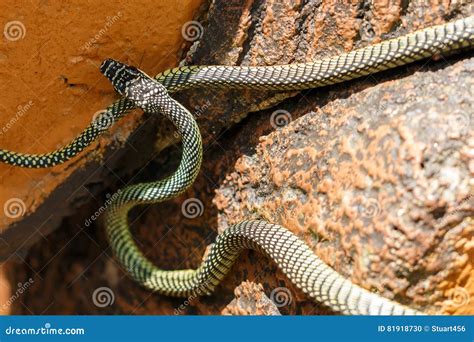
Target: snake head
<point x="133" y="83"/>
<point x="121" y="75"/>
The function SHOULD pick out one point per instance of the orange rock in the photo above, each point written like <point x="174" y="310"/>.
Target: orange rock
<point x="50" y="53"/>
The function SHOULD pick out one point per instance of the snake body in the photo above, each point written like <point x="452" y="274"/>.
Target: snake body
<point x="291" y="254"/>
<point x="442" y="39"/>
<point x="293" y="257"/>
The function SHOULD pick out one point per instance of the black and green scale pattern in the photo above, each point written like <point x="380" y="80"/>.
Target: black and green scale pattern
<point x="291" y="254"/>
<point x="442" y="39"/>
<point x="293" y="257"/>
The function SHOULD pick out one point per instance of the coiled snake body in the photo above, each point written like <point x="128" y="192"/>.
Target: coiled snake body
<point x="293" y="257"/>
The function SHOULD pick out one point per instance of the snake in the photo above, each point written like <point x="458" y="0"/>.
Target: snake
<point x="442" y="39"/>
<point x="307" y="271"/>
<point x="294" y="258"/>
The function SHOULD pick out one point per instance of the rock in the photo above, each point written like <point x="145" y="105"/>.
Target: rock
<point x="378" y="183"/>
<point x="363" y="155"/>
<point x="251" y="300"/>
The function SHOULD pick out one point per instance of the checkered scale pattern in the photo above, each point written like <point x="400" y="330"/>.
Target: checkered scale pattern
<point x="291" y="254"/>
<point x="443" y="39"/>
<point x="99" y="125"/>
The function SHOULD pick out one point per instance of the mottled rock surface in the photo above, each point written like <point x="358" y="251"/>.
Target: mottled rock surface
<point x="251" y="300"/>
<point x="373" y="174"/>
<point x="378" y="183"/>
